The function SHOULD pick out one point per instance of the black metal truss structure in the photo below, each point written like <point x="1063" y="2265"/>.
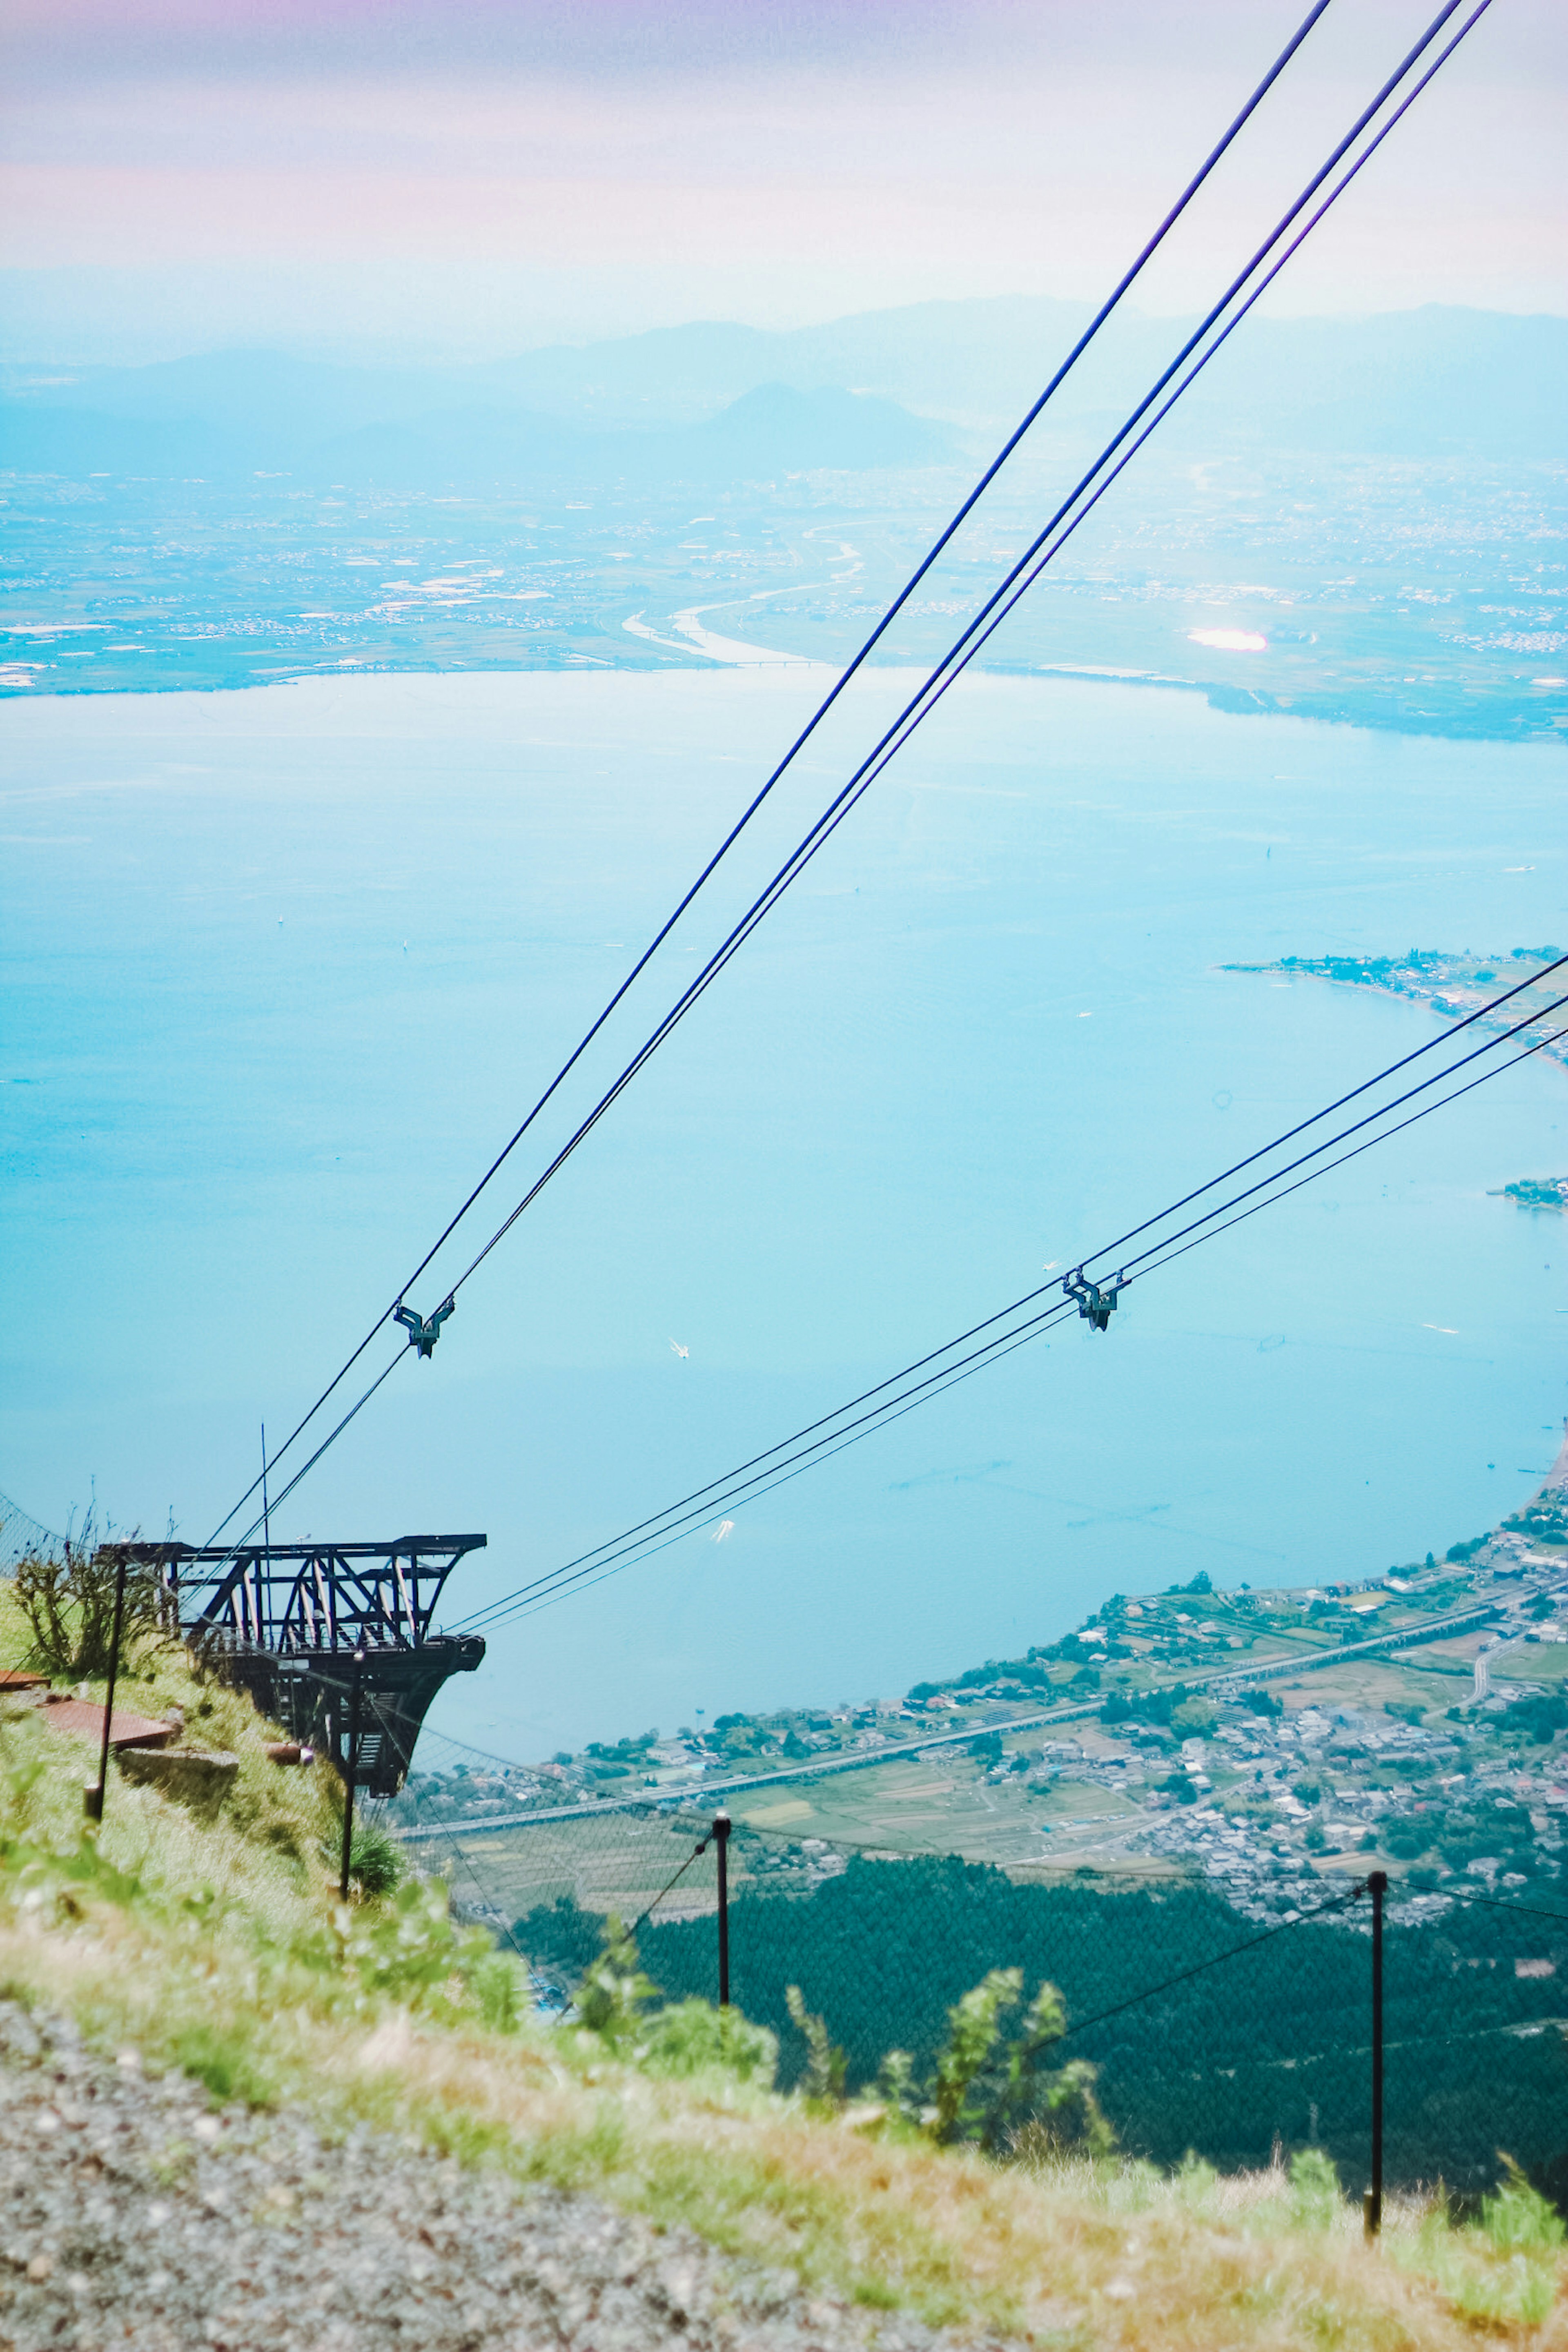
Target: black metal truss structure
<point x="304" y="1626"/>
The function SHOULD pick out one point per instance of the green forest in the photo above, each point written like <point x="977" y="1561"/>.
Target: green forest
<point x="1270" y="2043"/>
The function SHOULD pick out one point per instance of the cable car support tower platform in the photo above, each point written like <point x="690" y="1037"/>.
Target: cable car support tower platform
<point x="302" y="1626"/>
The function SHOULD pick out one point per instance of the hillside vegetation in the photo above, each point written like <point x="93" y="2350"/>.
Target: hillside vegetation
<point x="217" y="1946"/>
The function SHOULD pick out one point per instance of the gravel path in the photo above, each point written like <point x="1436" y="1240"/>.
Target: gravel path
<point x="132" y="2214"/>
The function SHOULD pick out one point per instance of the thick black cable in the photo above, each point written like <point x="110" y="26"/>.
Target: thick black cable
<point x="1109" y="1249"/>
<point x="631" y="1551"/>
<point x="931" y="690"/>
<point x="565" y="1586"/>
<point x="502" y="1610"/>
<point x="623" y="1553"/>
<point x="1441" y="1103"/>
<point x="794" y="865"/>
<point x="643" y="1917"/>
<point x="1436" y="1079"/>
<point x="1492" y="1903"/>
<point x="1051" y="552"/>
<point x="841" y="807"/>
<point x="855" y="665"/>
<point x="240" y="1541"/>
<point x="697" y="1492"/>
<point x="1302" y="1919"/>
<point x="1221" y="1210"/>
<point x="894" y="1411"/>
<point x="920" y="705"/>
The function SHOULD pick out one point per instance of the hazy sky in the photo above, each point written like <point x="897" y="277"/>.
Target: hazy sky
<point x="473" y="174"/>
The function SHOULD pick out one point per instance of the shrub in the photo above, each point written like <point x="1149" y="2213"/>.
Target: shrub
<point x="1519" y="2220"/>
<point x="895" y="2084"/>
<point x="414" y="1950"/>
<point x="996" y="2091"/>
<point x="375" y="1860"/>
<point x="1314" y="2188"/>
<point x="693" y="2037"/>
<point x="69" y="1608"/>
<point x="823" y="2081"/>
<point x="1500" y="2271"/>
<point x="612" y="1996"/>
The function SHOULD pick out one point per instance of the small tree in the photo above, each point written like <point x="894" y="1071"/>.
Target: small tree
<point x="895" y="2085"/>
<point x="823" y="2080"/>
<point x="1005" y="2097"/>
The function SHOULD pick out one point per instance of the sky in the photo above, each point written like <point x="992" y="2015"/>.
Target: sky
<point x="418" y="177"/>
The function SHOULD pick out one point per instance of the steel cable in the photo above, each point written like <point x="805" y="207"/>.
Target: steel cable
<point x="1109" y="1249"/>
<point x="1031" y="569"/>
<point x="856" y="662"/>
<point x="679" y="1520"/>
<point x="1012" y="588"/>
<point x="841" y="807"/>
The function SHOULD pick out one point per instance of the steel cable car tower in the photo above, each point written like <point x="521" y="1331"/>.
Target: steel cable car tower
<point x="302" y="1626"/>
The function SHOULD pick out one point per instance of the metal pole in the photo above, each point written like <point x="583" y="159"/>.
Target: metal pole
<point x="722" y="1838"/>
<point x="265" y="1522"/>
<point x="93" y="1797"/>
<point x="352" y="1762"/>
<point x="1377" y="1886"/>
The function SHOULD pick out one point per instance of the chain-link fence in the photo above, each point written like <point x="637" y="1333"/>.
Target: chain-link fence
<point x="22" y="1538"/>
<point x="1213" y="2027"/>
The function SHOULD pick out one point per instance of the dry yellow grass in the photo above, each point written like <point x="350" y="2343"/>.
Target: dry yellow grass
<point x="228" y="1956"/>
<point x="1081" y="2256"/>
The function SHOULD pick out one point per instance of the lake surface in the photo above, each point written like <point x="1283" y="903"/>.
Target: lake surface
<point x="282" y="967"/>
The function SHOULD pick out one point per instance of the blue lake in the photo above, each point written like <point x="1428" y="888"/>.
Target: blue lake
<point x="282" y="967"/>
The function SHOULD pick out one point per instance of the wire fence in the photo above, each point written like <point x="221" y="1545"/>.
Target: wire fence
<point x="1213" y="2022"/>
<point x="1215" y="2026"/>
<point x="24" y="1537"/>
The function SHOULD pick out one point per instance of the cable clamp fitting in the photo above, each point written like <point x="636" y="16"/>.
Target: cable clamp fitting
<point x="423" y="1335"/>
<point x="1095" y="1300"/>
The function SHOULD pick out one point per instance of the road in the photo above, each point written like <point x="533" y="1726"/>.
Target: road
<point x="702" y="1792"/>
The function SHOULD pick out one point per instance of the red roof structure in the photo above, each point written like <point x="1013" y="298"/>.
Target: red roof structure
<point x="84" y="1718"/>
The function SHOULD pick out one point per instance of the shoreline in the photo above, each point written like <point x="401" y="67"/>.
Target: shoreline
<point x="1453" y="986"/>
<point x="687" y="657"/>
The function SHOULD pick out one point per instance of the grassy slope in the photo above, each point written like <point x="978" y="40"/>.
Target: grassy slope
<point x="220" y="1947"/>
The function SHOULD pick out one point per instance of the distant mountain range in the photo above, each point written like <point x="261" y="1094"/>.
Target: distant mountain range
<point x="709" y="402"/>
<point x="315" y="427"/>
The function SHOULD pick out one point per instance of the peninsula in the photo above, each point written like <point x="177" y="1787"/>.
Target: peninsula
<point x="1456" y="985"/>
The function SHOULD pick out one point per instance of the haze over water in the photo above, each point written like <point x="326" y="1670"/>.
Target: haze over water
<point x="284" y="967"/>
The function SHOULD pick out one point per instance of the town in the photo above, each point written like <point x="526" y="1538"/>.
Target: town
<point x="1268" y="1740"/>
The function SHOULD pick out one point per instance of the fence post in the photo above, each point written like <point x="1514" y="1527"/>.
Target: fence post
<point x="92" y="1796"/>
<point x="1371" y="2211"/>
<point x="721" y="1840"/>
<point x="352" y="1764"/>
